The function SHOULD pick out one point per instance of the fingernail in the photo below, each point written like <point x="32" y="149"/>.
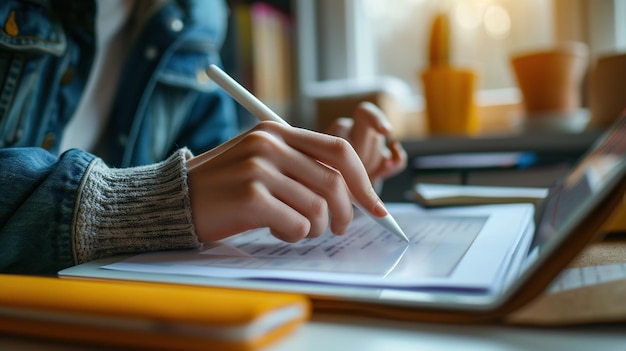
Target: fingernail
<point x="338" y="231"/>
<point x="380" y="209"/>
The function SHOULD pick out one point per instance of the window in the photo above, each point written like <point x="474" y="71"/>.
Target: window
<point x="483" y="35"/>
<point x="361" y="39"/>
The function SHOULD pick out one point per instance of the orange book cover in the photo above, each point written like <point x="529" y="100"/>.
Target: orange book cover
<point x="146" y="315"/>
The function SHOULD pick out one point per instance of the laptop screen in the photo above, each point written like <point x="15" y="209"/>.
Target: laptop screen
<point x="572" y="196"/>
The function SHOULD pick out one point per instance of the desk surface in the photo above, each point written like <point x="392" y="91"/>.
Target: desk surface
<point x="333" y="333"/>
<point x="362" y="334"/>
<point x="347" y="333"/>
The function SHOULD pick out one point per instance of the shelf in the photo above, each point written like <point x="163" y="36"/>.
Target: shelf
<point x="557" y="151"/>
<point x="538" y="141"/>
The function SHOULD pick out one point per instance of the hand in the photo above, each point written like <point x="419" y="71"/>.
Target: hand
<point x="288" y="179"/>
<point x="367" y="131"/>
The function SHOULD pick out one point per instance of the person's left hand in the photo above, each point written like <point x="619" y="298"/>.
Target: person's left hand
<point x="368" y="132"/>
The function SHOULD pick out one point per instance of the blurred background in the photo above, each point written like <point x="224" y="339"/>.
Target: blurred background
<point x="314" y="60"/>
<point x="285" y="50"/>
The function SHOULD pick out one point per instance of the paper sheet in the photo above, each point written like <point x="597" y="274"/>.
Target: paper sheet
<point x="367" y="254"/>
<point x="436" y="191"/>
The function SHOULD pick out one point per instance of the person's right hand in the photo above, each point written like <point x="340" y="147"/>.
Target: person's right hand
<point x="291" y="180"/>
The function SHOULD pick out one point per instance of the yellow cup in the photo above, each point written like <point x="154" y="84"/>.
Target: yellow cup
<point x="449" y="96"/>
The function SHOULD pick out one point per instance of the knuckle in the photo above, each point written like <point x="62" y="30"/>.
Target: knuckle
<point x="267" y="126"/>
<point x="256" y="193"/>
<point x="262" y="143"/>
<point x="318" y="207"/>
<point x="341" y="147"/>
<point x="342" y="218"/>
<point x="332" y="181"/>
<point x="255" y="168"/>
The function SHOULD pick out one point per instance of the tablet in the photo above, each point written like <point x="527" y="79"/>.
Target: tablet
<point x="493" y="260"/>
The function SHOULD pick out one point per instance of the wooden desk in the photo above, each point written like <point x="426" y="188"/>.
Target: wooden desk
<point x="335" y="333"/>
<point x="375" y="335"/>
<point x="326" y="332"/>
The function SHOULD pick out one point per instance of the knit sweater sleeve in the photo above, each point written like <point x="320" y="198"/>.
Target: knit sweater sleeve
<point x="135" y="209"/>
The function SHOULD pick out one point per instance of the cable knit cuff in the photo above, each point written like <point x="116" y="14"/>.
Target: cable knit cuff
<point x="135" y="209"/>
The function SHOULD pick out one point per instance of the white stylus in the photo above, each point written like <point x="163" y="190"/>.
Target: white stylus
<point x="264" y="113"/>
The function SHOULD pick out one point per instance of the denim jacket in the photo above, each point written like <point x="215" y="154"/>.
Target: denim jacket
<point x="164" y="102"/>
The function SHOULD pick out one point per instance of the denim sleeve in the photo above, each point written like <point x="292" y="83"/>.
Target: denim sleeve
<point x="57" y="212"/>
<point x="36" y="208"/>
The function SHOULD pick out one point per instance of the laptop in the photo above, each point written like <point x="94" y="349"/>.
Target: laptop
<point x="462" y="264"/>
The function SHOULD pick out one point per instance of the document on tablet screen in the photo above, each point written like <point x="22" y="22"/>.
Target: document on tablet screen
<point x="367" y="254"/>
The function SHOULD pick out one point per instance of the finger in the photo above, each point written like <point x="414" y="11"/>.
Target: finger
<point x="301" y="198"/>
<point x="340" y="127"/>
<point x="243" y="205"/>
<point x="205" y="156"/>
<point x="368" y="136"/>
<point x="284" y="222"/>
<point x="364" y="135"/>
<point x="398" y="154"/>
<point x="307" y="203"/>
<point x="322" y="180"/>
<point x="303" y="171"/>
<point x="338" y="154"/>
<point x="262" y="197"/>
<point x="313" y="175"/>
<point x="393" y="164"/>
<point x="365" y="144"/>
<point x="372" y="116"/>
<point x="293" y="202"/>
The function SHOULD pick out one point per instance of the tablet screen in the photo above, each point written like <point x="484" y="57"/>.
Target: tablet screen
<point x="573" y="195"/>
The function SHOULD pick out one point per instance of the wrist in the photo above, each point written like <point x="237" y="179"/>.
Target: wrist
<point x="126" y="210"/>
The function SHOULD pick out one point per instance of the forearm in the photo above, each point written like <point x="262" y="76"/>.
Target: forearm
<point x="57" y="212"/>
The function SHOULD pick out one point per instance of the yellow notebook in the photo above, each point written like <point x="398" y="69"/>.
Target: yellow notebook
<point x="146" y="315"/>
